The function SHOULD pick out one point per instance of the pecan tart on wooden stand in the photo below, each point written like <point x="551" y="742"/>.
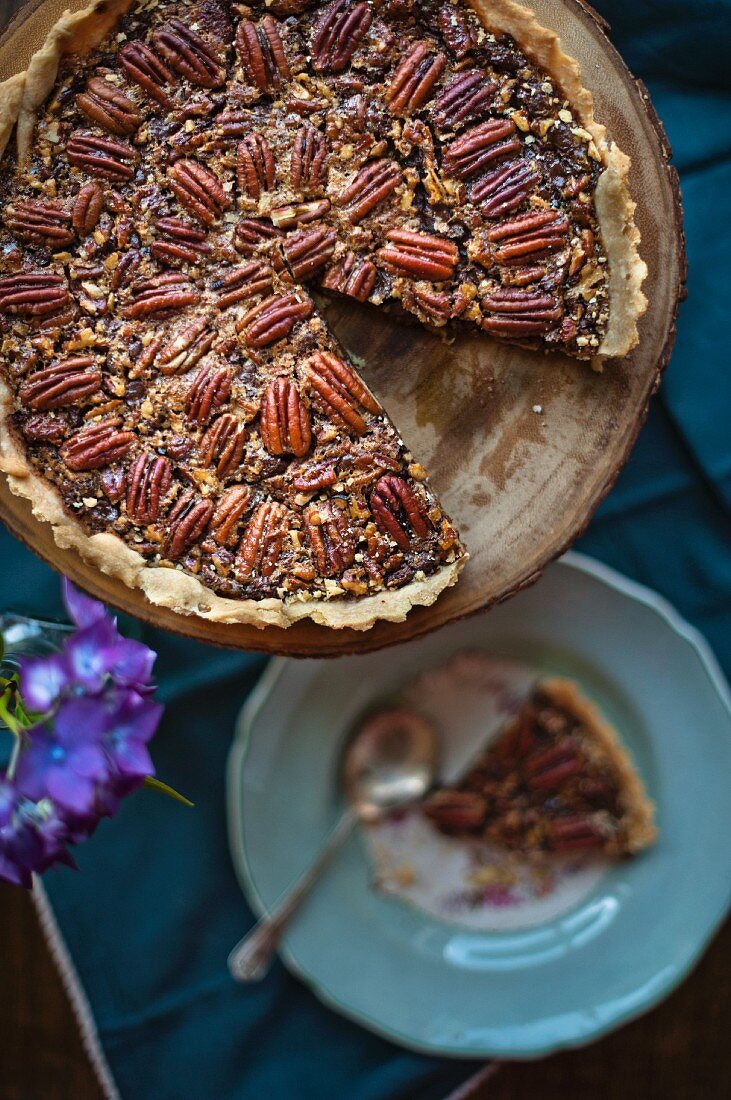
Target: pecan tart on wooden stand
<point x="183" y="177"/>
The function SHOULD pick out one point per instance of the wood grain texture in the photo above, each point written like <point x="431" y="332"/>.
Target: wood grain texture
<point x="520" y="484"/>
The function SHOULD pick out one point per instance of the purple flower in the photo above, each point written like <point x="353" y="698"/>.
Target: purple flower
<point x="82" y="609"/>
<point x="33" y="836"/>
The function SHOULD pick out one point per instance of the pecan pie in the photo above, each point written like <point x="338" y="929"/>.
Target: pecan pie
<point x="187" y="173"/>
<point x="555" y="779"/>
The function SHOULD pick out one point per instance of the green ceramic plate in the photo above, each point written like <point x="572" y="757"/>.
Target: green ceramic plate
<point x="445" y="989"/>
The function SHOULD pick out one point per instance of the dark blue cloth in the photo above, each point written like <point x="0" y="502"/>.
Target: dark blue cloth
<point x="149" y="919"/>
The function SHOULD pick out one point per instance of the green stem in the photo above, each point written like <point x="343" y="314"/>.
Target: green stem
<point x="158" y="785"/>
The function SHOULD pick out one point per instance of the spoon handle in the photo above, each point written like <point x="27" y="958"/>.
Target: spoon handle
<point x="252" y="956"/>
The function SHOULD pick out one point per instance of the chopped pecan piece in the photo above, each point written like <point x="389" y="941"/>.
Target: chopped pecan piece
<point x="516" y="312"/>
<point x="529" y="237"/>
<point x="142" y="65"/>
<point x="458" y="28"/>
<point x="474" y="150"/>
<point x="87" y="208"/>
<point x="330" y="536"/>
<point x="148" y="480"/>
<point x="254" y="233"/>
<point x="61" y="384"/>
<point x="285" y="419"/>
<point x="33" y="294"/>
<point x="161" y="294"/>
<point x="109" y="108"/>
<point x="102" y="156"/>
<point x="340" y="391"/>
<point x="398" y="512"/>
<point x="352" y="275"/>
<point x="255" y="168"/>
<point x="413" y="82"/>
<point x="38" y="222"/>
<point x="198" y="190"/>
<point x="261" y="546"/>
<point x="299" y="213"/>
<point x="229" y="512"/>
<point x="308" y="251"/>
<point x="308" y="166"/>
<point x="369" y="187"/>
<point x="187" y="523"/>
<point x="187" y="53"/>
<point x="187" y="347"/>
<point x="339" y="30"/>
<point x="179" y="242"/>
<point x="241" y="283"/>
<point x="273" y="319"/>
<point x="505" y="188"/>
<point x="211" y="390"/>
<point x="96" y="445"/>
<point x="262" y="53"/>
<point x="419" y="255"/>
<point x="223" y="444"/>
<point x="466" y="96"/>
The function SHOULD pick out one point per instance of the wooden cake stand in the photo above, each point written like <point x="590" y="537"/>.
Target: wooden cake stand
<point x="521" y="446"/>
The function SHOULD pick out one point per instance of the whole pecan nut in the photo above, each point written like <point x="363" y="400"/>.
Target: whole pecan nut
<point x="101" y="156"/>
<point x="262" y="53"/>
<point x="161" y="294"/>
<point x="187" y="53"/>
<point x="340" y="29"/>
<point x="413" y="82"/>
<point x="308" y="251"/>
<point x="255" y="168"/>
<point x="398" y="512"/>
<point x="45" y="223"/>
<point x="340" y="391"/>
<point x="369" y="187"/>
<point x="87" y="207"/>
<point x="516" y="312"/>
<point x="263" y="540"/>
<point x="352" y="275"/>
<point x="210" y="390"/>
<point x="198" y="190"/>
<point x="146" y="68"/>
<point x="148" y="480"/>
<point x="109" y="108"/>
<point x="230" y="510"/>
<point x="61" y="384"/>
<point x="187" y="347"/>
<point x="223" y="444"/>
<point x="466" y="96"/>
<point x="273" y="319"/>
<point x="330" y="537"/>
<point x="529" y="237"/>
<point x="96" y="445"/>
<point x="308" y="166"/>
<point x="33" y="294"/>
<point x="179" y="242"/>
<point x="419" y="255"/>
<point x="479" y="147"/>
<point x="241" y="283"/>
<point x="187" y="523"/>
<point x="504" y="189"/>
<point x="285" y="419"/>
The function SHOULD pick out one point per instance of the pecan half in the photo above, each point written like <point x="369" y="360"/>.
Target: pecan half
<point x="96" y="445"/>
<point x="261" y="546"/>
<point x="419" y="255"/>
<point x="398" y="512"/>
<point x="161" y="294"/>
<point x="308" y="166"/>
<point x="474" y="150"/>
<point x="33" y="294"/>
<point x="517" y="312"/>
<point x="310" y="476"/>
<point x="273" y="319"/>
<point x="330" y="537"/>
<point x="87" y="208"/>
<point x="149" y="478"/>
<point x="308" y="251"/>
<point x="285" y="419"/>
<point x="466" y="96"/>
<point x="109" y="108"/>
<point x="262" y="53"/>
<point x="44" y="429"/>
<point x="179" y="242"/>
<point x="340" y="391"/>
<point x="198" y="190"/>
<point x="369" y="187"/>
<point x="254" y="233"/>
<point x="187" y="347"/>
<point x="435" y="306"/>
<point x="230" y="510"/>
<point x="529" y="237"/>
<point x="338" y="32"/>
<point x="548" y="769"/>
<point x="505" y="188"/>
<point x="255" y="168"/>
<point x="413" y="82"/>
<point x="187" y="523"/>
<point x="211" y="390"/>
<point x="574" y="832"/>
<point x="101" y="156"/>
<point x="37" y="222"/>
<point x="456" y="810"/>
<point x="61" y="384"/>
<point x="299" y="213"/>
<point x="187" y="53"/>
<point x="241" y="283"/>
<point x="352" y="275"/>
<point x="223" y="444"/>
<point x="145" y="68"/>
<point x="458" y="29"/>
<point x="126" y="269"/>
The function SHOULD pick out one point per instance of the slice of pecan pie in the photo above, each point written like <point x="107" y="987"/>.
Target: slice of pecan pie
<point x="555" y="779"/>
<point x="185" y="173"/>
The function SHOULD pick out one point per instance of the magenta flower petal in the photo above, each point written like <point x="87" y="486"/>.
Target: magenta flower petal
<point x="70" y="791"/>
<point x="89" y="762"/>
<point x="82" y="609"/>
<point x="81" y="721"/>
<point x="42" y="679"/>
<point x="91" y="654"/>
<point x="133" y="663"/>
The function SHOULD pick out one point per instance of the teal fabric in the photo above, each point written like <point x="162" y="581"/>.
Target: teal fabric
<point x="150" y="917"/>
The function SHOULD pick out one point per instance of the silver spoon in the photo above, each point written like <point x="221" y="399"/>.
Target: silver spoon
<point x="389" y="761"/>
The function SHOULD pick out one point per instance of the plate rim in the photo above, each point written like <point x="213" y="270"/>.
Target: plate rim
<point x="612" y="578"/>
